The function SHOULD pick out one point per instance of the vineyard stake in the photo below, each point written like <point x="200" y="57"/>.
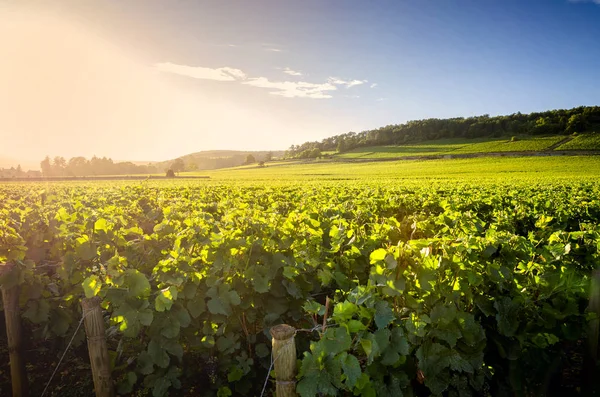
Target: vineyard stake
<point x="96" y="341"/>
<point x="10" y="297"/>
<point x="284" y="360"/>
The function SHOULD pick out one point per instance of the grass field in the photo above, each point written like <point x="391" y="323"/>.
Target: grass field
<point x="454" y="146"/>
<point x="582" y="142"/>
<point x="418" y="170"/>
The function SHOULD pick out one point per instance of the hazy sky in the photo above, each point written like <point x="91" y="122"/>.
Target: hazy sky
<point x="153" y="80"/>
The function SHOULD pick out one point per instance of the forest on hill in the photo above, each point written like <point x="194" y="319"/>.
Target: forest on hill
<point x="552" y="122"/>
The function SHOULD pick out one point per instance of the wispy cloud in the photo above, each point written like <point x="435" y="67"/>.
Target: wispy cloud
<point x="198" y="72"/>
<point x="293" y="89"/>
<point x="273" y="49"/>
<point x="288" y="89"/>
<point x="346" y="83"/>
<point x="291" y="72"/>
<point x="380" y="99"/>
<point x="584" y="1"/>
<point x="373" y="85"/>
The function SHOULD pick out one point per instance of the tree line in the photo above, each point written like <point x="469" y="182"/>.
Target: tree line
<point x="552" y="122"/>
<point x="80" y="166"/>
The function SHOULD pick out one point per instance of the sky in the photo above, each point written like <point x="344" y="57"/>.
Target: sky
<point x="157" y="79"/>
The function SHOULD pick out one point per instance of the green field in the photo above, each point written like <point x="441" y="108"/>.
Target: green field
<point x="408" y="171"/>
<point x="582" y="142"/>
<point x="475" y="272"/>
<point x="455" y="146"/>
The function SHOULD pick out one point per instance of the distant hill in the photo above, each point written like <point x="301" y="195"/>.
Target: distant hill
<point x="214" y="159"/>
<point x="552" y="122"/>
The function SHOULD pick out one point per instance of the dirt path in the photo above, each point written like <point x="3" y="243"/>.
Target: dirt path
<point x="557" y="144"/>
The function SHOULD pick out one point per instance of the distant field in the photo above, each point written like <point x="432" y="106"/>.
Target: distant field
<point x="405" y="171"/>
<point x="454" y="146"/>
<point x="528" y="144"/>
<point x="582" y="142"/>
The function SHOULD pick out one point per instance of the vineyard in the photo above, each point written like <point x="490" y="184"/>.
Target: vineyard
<point x="582" y="142"/>
<point x="423" y="288"/>
<point x="457" y="146"/>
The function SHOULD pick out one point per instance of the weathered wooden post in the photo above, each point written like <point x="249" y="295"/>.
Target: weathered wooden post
<point x="10" y="298"/>
<point x="284" y="357"/>
<point x="98" y="350"/>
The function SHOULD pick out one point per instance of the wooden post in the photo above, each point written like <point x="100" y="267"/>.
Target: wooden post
<point x="96" y="341"/>
<point x="10" y="297"/>
<point x="284" y="357"/>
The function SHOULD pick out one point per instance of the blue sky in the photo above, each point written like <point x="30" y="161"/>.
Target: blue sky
<point x="282" y="72"/>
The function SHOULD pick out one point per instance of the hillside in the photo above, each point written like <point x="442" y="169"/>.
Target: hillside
<point x="215" y="159"/>
<point x="556" y="144"/>
<point x="549" y="123"/>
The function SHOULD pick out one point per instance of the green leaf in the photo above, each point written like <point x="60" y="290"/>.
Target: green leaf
<point x="336" y="340"/>
<point x="131" y="319"/>
<point x="367" y="346"/>
<point x="161" y="387"/>
<point x="216" y="306"/>
<point x="145" y="363"/>
<point x="378" y="255"/>
<point x="351" y="368"/>
<point x="261" y="284"/>
<point x="101" y="225"/>
<point x="174" y="348"/>
<point x="383" y="314"/>
<point x="262" y="350"/>
<point x="91" y="286"/>
<point x="183" y="316"/>
<point x="235" y="374"/>
<point x="234" y="298"/>
<point x="137" y="283"/>
<point x="86" y="251"/>
<point x="165" y="299"/>
<point x="37" y="311"/>
<point x="196" y="306"/>
<point x="126" y="385"/>
<point x="158" y="354"/>
<point x="224" y="391"/>
<point x="344" y="311"/>
<point x="170" y="329"/>
<point x="399" y="341"/>
<point x="355" y="326"/>
<point x="507" y="316"/>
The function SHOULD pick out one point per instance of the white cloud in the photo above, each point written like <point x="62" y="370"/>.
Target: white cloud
<point x="381" y="99"/>
<point x="353" y="96"/>
<point x="273" y="49"/>
<point x="291" y="89"/>
<point x="288" y="89"/>
<point x="291" y="72"/>
<point x="346" y="83"/>
<point x="584" y="1"/>
<point x="198" y="72"/>
<point x="373" y="85"/>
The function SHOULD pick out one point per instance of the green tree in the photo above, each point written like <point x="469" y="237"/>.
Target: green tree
<point x="46" y="166"/>
<point x="576" y="123"/>
<point x="250" y="159"/>
<point x="178" y="165"/>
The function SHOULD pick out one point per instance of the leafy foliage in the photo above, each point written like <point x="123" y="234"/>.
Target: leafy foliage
<point x="460" y="287"/>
